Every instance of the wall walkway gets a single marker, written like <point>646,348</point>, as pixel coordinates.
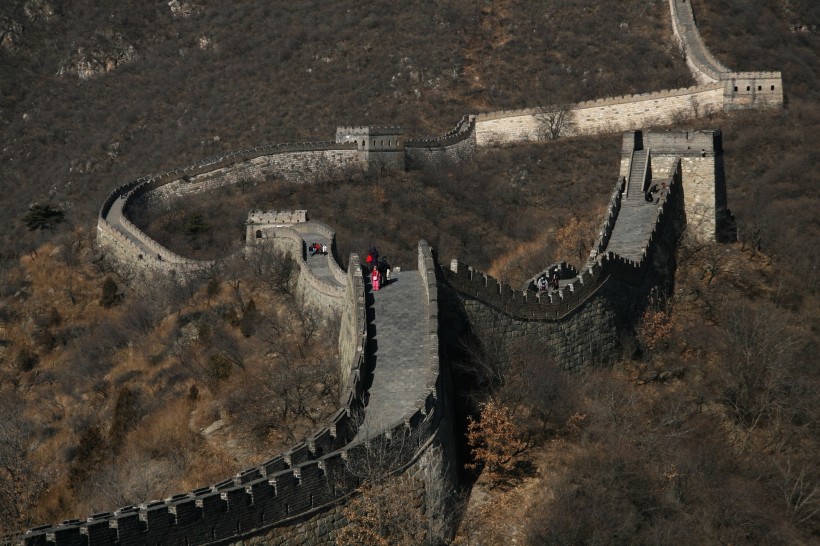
<point>399,345</point>
<point>294,497</point>
<point>636,217</point>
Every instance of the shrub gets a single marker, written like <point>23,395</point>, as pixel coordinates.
<point>26,359</point>
<point>110,293</point>
<point>219,367</point>
<point>495,442</point>
<point>126,415</point>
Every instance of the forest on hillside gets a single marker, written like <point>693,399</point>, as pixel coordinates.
<point>704,431</point>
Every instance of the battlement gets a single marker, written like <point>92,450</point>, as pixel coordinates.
<point>676,143</point>
<point>372,130</point>
<point>371,138</point>
<point>277,218</point>
<point>579,320</point>
<point>603,265</point>
<point>463,130</point>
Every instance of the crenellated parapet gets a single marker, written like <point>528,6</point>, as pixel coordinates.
<point>611,215</point>
<point>456,145</point>
<point>308,480</point>
<point>298,493</point>
<point>556,305</point>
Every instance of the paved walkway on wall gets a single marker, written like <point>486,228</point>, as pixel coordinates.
<point>636,220</point>
<point>115,216</point>
<point>696,49</point>
<point>401,347</point>
<point>318,262</point>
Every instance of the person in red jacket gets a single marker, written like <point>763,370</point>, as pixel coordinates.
<point>375,278</point>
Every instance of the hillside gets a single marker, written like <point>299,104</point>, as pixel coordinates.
<point>238,74</point>
<point>705,431</point>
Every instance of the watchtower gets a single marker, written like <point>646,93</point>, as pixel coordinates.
<point>383,145</point>
<point>702,174</point>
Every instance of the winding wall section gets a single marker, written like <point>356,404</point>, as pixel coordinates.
<point>294,497</point>
<point>718,89</point>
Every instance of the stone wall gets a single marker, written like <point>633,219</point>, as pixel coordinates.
<point>718,89</point>
<point>148,258</point>
<point>313,292</point>
<point>300,166</point>
<point>454,146</point>
<point>699,154</point>
<point>703,65</point>
<point>581,323</point>
<point>259,223</point>
<point>752,90</point>
<point>353,330</point>
<point>608,115</point>
<point>293,498</point>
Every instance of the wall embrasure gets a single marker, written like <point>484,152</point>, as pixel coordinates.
<point>294,498</point>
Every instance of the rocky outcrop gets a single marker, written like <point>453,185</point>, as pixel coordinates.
<point>11,34</point>
<point>106,52</point>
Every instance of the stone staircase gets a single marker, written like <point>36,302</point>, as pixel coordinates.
<point>636,218</point>
<point>637,174</point>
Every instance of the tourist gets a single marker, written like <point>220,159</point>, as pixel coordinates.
<point>650,193</point>
<point>383,268</point>
<point>312,249</point>
<point>555,283</point>
<point>375,278</point>
<point>663,193</point>
<point>324,249</point>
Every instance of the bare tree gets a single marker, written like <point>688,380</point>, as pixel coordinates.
<point>137,477</point>
<point>22,481</point>
<point>801,492</point>
<point>385,513</point>
<point>392,507</point>
<point>274,269</point>
<point>553,121</point>
<point>758,348</point>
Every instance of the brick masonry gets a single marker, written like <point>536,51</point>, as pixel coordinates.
<point>296,497</point>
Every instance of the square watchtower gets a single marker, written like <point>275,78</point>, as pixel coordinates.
<point>383,146</point>
<point>702,174</point>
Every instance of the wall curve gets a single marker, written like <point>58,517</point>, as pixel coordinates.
<point>298,493</point>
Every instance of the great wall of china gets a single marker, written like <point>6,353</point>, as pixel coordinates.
<point>296,497</point>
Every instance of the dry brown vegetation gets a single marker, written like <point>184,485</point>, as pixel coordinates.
<point>531,204</point>
<point>164,389</point>
<point>709,436</point>
<point>240,74</point>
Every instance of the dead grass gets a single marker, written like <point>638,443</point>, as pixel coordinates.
<point>75,382</point>
<point>166,432</point>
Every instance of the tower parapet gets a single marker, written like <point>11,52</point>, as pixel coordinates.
<point>702,173</point>
<point>383,144</point>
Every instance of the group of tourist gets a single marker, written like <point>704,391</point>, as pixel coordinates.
<point>657,194</point>
<point>316,248</point>
<point>379,269</point>
<point>544,283</point>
